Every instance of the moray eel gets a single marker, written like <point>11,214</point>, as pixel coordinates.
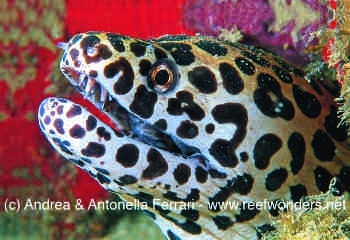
<point>206,130</point>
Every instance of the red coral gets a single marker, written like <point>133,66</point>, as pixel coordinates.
<point>28,165</point>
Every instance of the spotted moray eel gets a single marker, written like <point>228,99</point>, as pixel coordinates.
<point>199,121</point>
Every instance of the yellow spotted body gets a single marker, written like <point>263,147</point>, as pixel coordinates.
<point>201,121</point>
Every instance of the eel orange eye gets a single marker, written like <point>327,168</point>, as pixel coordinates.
<point>163,75</point>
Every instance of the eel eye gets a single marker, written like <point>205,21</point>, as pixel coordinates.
<point>163,75</point>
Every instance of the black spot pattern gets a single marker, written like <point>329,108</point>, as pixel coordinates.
<point>232,81</point>
<point>275,179</point>
<point>42,110</point>
<point>201,174</point>
<point>263,229</point>
<point>127,179</point>
<point>188,226</point>
<point>307,102</point>
<point>216,174</point>
<point>79,162</point>
<point>266,146</point>
<point>190,214</point>
<point>213,48</point>
<point>245,66</point>
<point>91,123</point>
<point>191,197</point>
<point>143,102</point>
<point>116,41</point>
<point>138,48</point>
<point>151,214</point>
<point>323,146</point>
<point>269,98</point>
<point>209,128</point>
<point>203,79</point>
<point>47,120</point>
<point>182,173</point>
<point>145,197</point>
<point>60,109</point>
<point>283,64</point>
<point>172,236</point>
<point>174,107</point>
<point>315,86</point>
<point>74,53</point>
<point>77,131</point>
<point>63,145</point>
<point>181,52</point>
<point>126,81</point>
<point>104,52</point>
<point>92,174</point>
<point>102,178</point>
<point>94,149</point>
<point>93,73</point>
<point>145,66</point>
<point>242,184</point>
<point>297,147</point>
<point>103,133</point>
<point>161,124</point>
<point>58,124</point>
<point>344,177</point>
<point>232,113</point>
<point>283,75</point>
<point>89,41</point>
<point>322,178</point>
<point>297,192</point>
<point>223,150</point>
<point>127,155</point>
<point>275,209</point>
<point>192,109</point>
<point>159,53</point>
<point>75,110</point>
<point>244,156</point>
<point>256,58</point>
<point>298,72</point>
<point>187,129</point>
<point>157,165</point>
<point>246,213</point>
<point>76,38</point>
<point>331,124</point>
<point>87,160</point>
<point>222,222</point>
<point>103,171</point>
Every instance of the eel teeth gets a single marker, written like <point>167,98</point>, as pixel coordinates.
<point>103,95</point>
<point>103,98</point>
<point>91,87</point>
<point>82,82</point>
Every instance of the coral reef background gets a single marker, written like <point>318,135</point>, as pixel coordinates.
<point>281,25</point>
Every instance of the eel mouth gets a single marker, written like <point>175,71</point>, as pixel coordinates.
<point>127,123</point>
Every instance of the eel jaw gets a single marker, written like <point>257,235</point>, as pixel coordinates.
<point>127,122</point>
<point>87,86</point>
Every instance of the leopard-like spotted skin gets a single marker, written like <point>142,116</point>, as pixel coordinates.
<point>200,121</point>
